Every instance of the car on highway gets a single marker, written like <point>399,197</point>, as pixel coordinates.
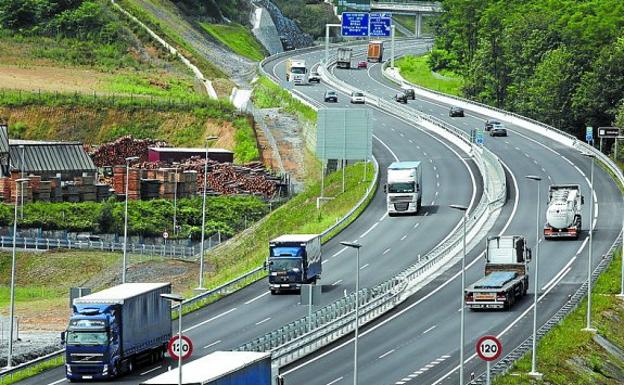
<point>498,130</point>
<point>362,64</point>
<point>357,97</point>
<point>489,123</point>
<point>401,97</point>
<point>456,111</point>
<point>314,77</point>
<point>409,91</point>
<point>331,96</point>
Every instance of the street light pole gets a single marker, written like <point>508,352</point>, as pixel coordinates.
<point>13,262</point>
<point>588,327</point>
<point>175,200</point>
<point>203,228</point>
<point>125,242</point>
<point>462,326</point>
<point>178,299</point>
<point>23,166</point>
<point>534,373</point>
<point>356,246</point>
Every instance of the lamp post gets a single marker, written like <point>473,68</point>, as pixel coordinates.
<point>462,328</point>
<point>175,199</point>
<point>22,166</point>
<point>203,228</point>
<point>177,299</point>
<point>588,327</point>
<point>125,242</point>
<point>534,373</point>
<point>356,246</point>
<point>12,299</point>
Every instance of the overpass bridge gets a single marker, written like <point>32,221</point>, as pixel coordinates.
<point>407,7</point>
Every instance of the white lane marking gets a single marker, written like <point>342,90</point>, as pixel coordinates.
<point>263,321</point>
<point>425,154</point>
<point>517,148</point>
<point>386,354</point>
<point>403,237</point>
<point>337,282</point>
<point>386,251</point>
<point>438,184</point>
<point>151,370</point>
<point>396,158</point>
<point>256,298</point>
<point>416,225</point>
<point>339,252</point>
<point>209,320</point>
<point>212,344</point>
<point>437,192</point>
<point>410,141</point>
<point>546,286</point>
<point>427,213</point>
<point>418,147</point>
<point>334,381</point>
<point>369,230</point>
<point>383,217</point>
<point>430,329</point>
<point>434,168</point>
<point>582,246</point>
<point>567,160</point>
<point>324,262</point>
<point>401,134</point>
<point>437,175</point>
<point>57,382</point>
<point>364,267</point>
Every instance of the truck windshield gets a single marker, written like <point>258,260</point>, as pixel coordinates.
<point>281,264</point>
<point>298,70</point>
<point>407,187</point>
<point>87,338</point>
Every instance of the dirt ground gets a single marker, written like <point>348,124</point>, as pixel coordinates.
<point>48,78</point>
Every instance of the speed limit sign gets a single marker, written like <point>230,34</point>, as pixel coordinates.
<point>489,348</point>
<point>174,347</point>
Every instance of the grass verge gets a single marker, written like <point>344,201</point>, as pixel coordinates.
<point>267,94</point>
<point>569,356</point>
<point>32,371</point>
<point>236,37</point>
<point>416,70</point>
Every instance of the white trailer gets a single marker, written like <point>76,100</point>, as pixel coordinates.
<point>404,187</point>
<point>563,215</point>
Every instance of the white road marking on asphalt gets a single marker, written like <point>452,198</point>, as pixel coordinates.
<point>364,267</point>
<point>546,286</point>
<point>369,230</point>
<point>339,252</point>
<point>437,192</point>
<point>429,366</point>
<point>263,321</point>
<point>386,252</point>
<point>386,354</point>
<point>567,160</point>
<point>425,214</point>
<point>396,158</point>
<point>381,219</point>
<point>209,320</point>
<point>517,148</point>
<point>418,147</point>
<point>582,246</point>
<point>410,141</point>
<point>430,329</point>
<point>57,382</point>
<point>416,225</point>
<point>151,370</point>
<point>437,175</point>
<point>403,237</point>
<point>324,262</point>
<point>212,344</point>
<point>425,154</point>
<point>400,133</point>
<point>337,282</point>
<point>334,381</point>
<point>438,184</point>
<point>434,168</point>
<point>256,298</point>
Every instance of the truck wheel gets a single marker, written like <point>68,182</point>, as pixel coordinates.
<point>273,292</point>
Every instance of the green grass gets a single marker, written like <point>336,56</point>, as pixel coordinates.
<point>33,371</point>
<point>267,94</point>
<point>569,356</point>
<point>154,85</point>
<point>238,38</point>
<point>415,70</point>
<point>246,148</point>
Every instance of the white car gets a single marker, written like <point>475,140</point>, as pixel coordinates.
<point>357,97</point>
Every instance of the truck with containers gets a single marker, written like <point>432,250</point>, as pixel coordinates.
<point>296,71</point>
<point>563,215</point>
<point>220,368</point>
<point>112,330</point>
<point>294,260</point>
<point>506,274</point>
<point>343,58</point>
<point>404,188</point>
<point>375,51</point>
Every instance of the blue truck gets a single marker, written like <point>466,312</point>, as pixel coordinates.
<point>112,330</point>
<point>221,368</point>
<point>294,259</point>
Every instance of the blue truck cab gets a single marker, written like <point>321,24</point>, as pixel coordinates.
<point>111,330</point>
<point>294,259</point>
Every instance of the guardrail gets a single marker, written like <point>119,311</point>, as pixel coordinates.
<point>332,322</point>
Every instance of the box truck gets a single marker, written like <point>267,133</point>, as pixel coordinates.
<point>109,331</point>
<point>294,259</point>
<point>404,188</point>
<point>375,51</point>
<point>343,58</point>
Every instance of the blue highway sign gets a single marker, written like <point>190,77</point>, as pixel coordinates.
<point>354,24</point>
<point>380,24</point>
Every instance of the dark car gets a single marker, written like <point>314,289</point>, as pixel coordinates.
<point>489,123</point>
<point>498,130</point>
<point>331,96</point>
<point>362,64</point>
<point>401,97</point>
<point>456,111</point>
<point>409,92</point>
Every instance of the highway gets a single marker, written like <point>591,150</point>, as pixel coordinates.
<point>419,342</point>
<point>389,246</point>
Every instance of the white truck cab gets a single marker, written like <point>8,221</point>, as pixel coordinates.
<point>404,187</point>
<point>296,71</point>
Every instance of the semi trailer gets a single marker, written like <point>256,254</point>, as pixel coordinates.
<point>563,215</point>
<point>343,58</point>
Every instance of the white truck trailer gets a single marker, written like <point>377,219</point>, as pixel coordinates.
<point>506,274</point>
<point>343,57</point>
<point>296,71</point>
<point>404,187</point>
<point>563,215</point>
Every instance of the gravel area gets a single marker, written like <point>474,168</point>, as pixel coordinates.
<point>285,26</point>
<point>29,346</point>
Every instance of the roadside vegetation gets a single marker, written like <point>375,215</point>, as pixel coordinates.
<point>238,38</point>
<point>569,356</point>
<point>416,69</point>
<point>267,94</point>
<point>311,18</point>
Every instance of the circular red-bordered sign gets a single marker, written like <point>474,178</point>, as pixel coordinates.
<point>173,347</point>
<point>489,348</point>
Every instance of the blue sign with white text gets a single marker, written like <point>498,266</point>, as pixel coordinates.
<point>380,24</point>
<point>355,24</point>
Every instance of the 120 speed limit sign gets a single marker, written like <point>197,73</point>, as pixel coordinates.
<point>174,348</point>
<point>489,348</point>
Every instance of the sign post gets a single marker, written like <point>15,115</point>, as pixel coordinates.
<point>589,135</point>
<point>489,348</point>
<point>608,132</point>
<point>479,139</point>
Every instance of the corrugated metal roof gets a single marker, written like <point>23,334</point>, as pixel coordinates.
<point>47,157</point>
<point>4,138</point>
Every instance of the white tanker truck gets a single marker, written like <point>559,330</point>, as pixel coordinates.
<point>563,216</point>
